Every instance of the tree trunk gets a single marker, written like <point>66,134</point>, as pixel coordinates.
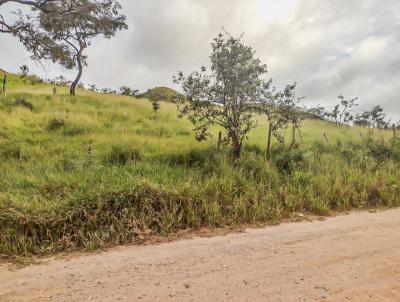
<point>269,142</point>
<point>293,137</point>
<point>236,148</point>
<point>78,77</point>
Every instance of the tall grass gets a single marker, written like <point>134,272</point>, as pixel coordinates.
<point>99,170</point>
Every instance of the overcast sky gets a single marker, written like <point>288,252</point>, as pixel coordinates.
<point>328,46</point>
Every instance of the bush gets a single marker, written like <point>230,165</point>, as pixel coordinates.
<point>288,161</point>
<point>56,123</point>
<point>22,103</point>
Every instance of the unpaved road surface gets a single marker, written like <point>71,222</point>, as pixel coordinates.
<point>347,258</point>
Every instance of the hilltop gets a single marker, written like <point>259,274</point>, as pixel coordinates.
<point>163,94</point>
<point>102,169</point>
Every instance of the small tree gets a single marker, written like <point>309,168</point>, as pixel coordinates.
<point>93,87</point>
<point>125,90</point>
<point>374,118</point>
<point>345,115</point>
<point>378,117</point>
<point>318,112</point>
<point>24,70</point>
<point>335,114</point>
<point>282,109</point>
<point>226,94</point>
<point>363,119</point>
<point>342,113</point>
<point>156,106</point>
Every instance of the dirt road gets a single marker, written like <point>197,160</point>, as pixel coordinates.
<point>347,258</point>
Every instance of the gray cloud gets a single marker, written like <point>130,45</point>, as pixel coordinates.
<point>328,47</point>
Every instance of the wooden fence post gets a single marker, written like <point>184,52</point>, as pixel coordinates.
<point>326,138</point>
<point>4,86</point>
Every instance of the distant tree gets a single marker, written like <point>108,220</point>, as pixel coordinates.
<point>363,119</point>
<point>335,114</point>
<point>227,94</point>
<point>24,70</point>
<point>61,81</point>
<point>318,112</point>
<point>374,118</point>
<point>345,115</point>
<point>342,112</point>
<point>93,87</point>
<point>378,117</point>
<point>125,90</point>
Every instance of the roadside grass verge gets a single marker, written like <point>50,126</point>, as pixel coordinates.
<point>102,170</point>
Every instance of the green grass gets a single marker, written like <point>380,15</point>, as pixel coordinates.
<point>100,170</point>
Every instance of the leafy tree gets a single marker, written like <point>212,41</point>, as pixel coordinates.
<point>342,112</point>
<point>61,30</point>
<point>374,118</point>
<point>227,93</point>
<point>335,114</point>
<point>363,119</point>
<point>93,87</point>
<point>125,90</point>
<point>78,30</point>
<point>345,115</point>
<point>281,109</point>
<point>378,117</point>
<point>28,30</point>
<point>318,112</point>
<point>24,70</point>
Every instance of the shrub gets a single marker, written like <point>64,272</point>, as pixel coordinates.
<point>22,103</point>
<point>288,161</point>
<point>56,123</point>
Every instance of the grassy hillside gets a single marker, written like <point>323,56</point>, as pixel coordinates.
<point>100,170</point>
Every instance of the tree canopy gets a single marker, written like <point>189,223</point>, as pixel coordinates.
<point>60,30</point>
